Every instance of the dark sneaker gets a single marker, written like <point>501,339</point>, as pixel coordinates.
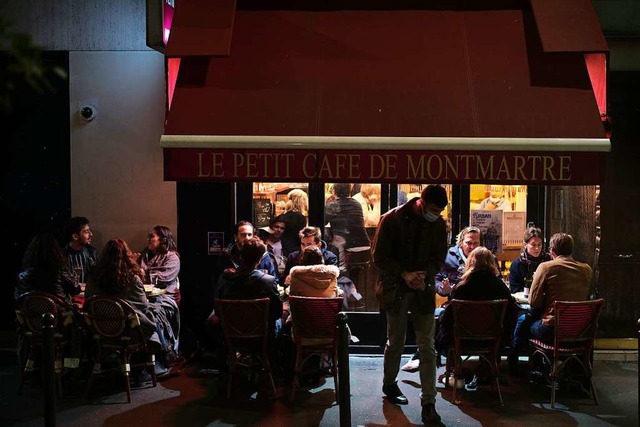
<point>141,379</point>
<point>394,395</point>
<point>429,414</point>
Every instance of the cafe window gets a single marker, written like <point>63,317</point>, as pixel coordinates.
<point>407,192</point>
<point>271,199</point>
<point>500,211</point>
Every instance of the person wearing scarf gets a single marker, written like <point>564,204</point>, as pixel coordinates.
<point>531,256</point>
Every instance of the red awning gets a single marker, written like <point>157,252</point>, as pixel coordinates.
<point>201,28</point>
<point>383,80</point>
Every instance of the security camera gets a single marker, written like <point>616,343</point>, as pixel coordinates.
<point>88,112</point>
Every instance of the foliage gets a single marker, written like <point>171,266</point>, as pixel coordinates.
<point>22,66</point>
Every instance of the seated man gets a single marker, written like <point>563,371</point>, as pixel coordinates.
<point>561,279</point>
<point>247,282</point>
<point>232,255</point>
<point>310,237</point>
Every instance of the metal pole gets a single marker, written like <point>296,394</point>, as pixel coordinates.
<point>48,371</point>
<point>344,385</point>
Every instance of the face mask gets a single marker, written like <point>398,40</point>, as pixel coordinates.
<point>430,216</point>
<point>494,199</point>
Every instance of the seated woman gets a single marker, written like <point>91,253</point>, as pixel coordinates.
<point>45,270</point>
<point>480,282</point>
<point>531,256</point>
<point>117,274</point>
<point>160,258</point>
<point>313,278</point>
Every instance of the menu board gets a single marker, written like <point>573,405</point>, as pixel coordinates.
<point>262,211</point>
<point>490,225</point>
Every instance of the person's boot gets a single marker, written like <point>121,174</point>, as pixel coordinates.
<point>429,414</point>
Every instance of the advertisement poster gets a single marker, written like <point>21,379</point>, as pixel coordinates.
<point>490,225</point>
<point>513,224</point>
<point>215,242</point>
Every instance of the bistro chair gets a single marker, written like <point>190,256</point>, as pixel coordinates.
<point>30,309</point>
<point>116,329</point>
<point>245,328</point>
<point>477,331</point>
<point>315,332</point>
<point>575,326</point>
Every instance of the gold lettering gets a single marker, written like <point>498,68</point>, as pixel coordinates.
<point>467,158</point>
<point>304,165</point>
<point>354,166</point>
<point>287,161</point>
<point>504,169</point>
<point>534,160</point>
<point>548,167</point>
<point>238,162</point>
<point>519,162</point>
<point>565,168</point>
<point>252,165</point>
<point>391,160</point>
<point>264,158</point>
<point>377,159</point>
<point>438,165</point>
<point>341,166</point>
<point>451,166</point>
<point>325,167</point>
<point>413,171</point>
<point>201,173</point>
<point>480,169</point>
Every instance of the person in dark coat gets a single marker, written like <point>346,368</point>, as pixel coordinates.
<point>480,282</point>
<point>45,270</point>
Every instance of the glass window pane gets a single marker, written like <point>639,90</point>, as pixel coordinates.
<point>500,211</point>
<point>291,200</point>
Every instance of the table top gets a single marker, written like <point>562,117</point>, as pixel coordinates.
<point>151,290</point>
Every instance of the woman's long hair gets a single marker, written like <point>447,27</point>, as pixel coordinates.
<point>116,269</point>
<point>167,242</point>
<point>298,201</point>
<point>45,257</point>
<point>480,259</point>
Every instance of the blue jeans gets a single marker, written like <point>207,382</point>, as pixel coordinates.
<point>521,332</point>
<point>542,332</point>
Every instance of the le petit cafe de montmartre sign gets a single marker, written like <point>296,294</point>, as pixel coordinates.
<point>557,167</point>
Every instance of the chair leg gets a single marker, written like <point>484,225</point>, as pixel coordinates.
<point>297,368</point>
<point>95,371</point>
<point>125,367</point>
<point>594,395</point>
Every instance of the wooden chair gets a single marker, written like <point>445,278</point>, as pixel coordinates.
<point>30,309</point>
<point>245,327</point>
<point>477,331</point>
<point>115,327</point>
<point>575,326</point>
<point>315,332</point>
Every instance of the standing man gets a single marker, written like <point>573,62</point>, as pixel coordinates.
<point>81,256</point>
<point>409,249</point>
<point>450,274</point>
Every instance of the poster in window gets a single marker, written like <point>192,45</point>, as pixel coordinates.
<point>513,228</point>
<point>262,209</point>
<point>215,242</point>
<point>490,225</point>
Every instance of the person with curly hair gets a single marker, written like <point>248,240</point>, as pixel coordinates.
<point>118,274</point>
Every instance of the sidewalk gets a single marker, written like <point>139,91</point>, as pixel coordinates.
<point>197,398</point>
